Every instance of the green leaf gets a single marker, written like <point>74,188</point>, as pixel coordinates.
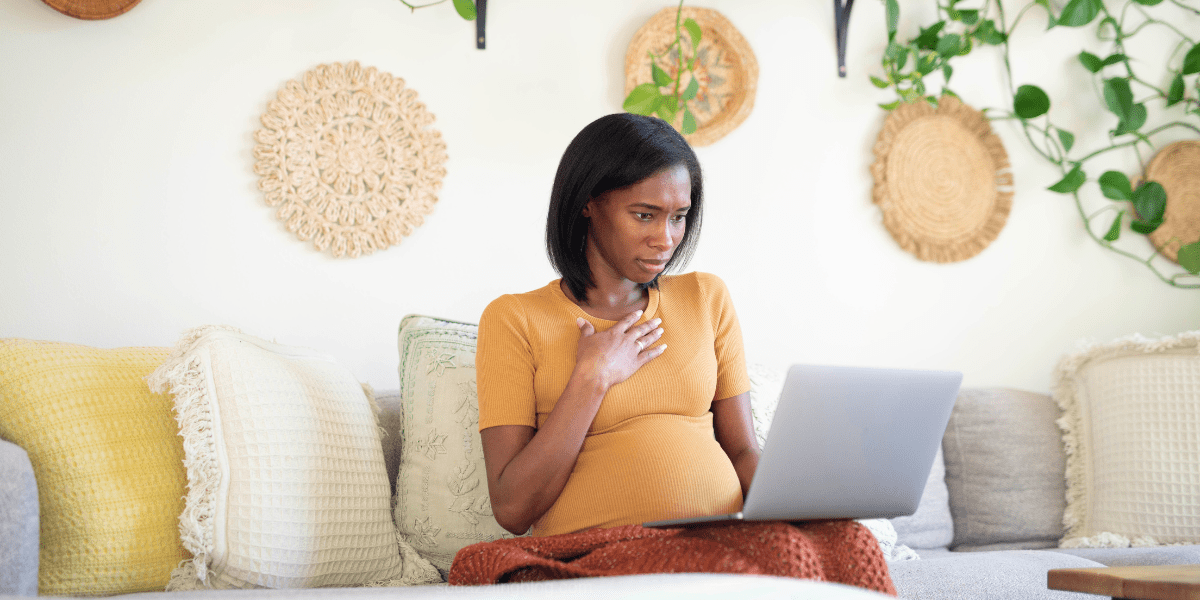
<point>667,108</point>
<point>465,8</point>
<point>1078,13</point>
<point>1191,62</point>
<point>895,53</point>
<point>968,17</point>
<point>693,87</point>
<point>879,83</point>
<point>1030,101</point>
<point>693,30</point>
<point>1114,59</point>
<point>1070,182</point>
<point>661,77</point>
<point>1115,185</point>
<point>1114,230</point>
<point>643,100</point>
<point>927,63</point>
<point>1147,2</point>
<point>929,37</point>
<point>1067,138</point>
<point>890,105</point>
<point>949,45</point>
<point>988,34</point>
<point>689,122</point>
<point>947,71</point>
<point>1050,22</point>
<point>1150,200</point>
<point>1090,61</point>
<point>1118,97</point>
<point>893,18</point>
<point>1136,118</point>
<point>1144,227</point>
<point>1189,258</point>
<point>1175,95</point>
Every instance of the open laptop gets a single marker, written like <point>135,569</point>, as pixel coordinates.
<point>847,443</point>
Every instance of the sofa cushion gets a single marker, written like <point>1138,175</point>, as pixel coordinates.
<point>932,525</point>
<point>18,522</point>
<point>1131,416</point>
<point>1019,575</point>
<point>108,463</point>
<point>1004,469</point>
<point>286,480</point>
<point>1135,557</point>
<point>442,501</point>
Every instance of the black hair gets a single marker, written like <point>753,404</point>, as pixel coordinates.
<point>614,152</point>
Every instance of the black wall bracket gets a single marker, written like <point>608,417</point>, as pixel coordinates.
<point>841,22</point>
<point>480,24</point>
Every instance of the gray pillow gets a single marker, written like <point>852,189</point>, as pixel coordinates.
<point>1005,469</point>
<point>931,526</point>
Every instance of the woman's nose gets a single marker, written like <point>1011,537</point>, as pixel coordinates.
<point>663,237</point>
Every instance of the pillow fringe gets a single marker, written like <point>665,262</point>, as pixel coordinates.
<point>194,415</point>
<point>1066,395</point>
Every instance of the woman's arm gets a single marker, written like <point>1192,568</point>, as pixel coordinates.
<point>528,468</point>
<point>734,427</point>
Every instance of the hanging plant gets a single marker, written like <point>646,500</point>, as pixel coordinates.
<point>465,8</point>
<point>1139,205</point>
<point>669,72</point>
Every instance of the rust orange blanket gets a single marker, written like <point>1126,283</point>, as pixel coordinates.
<point>838,551</point>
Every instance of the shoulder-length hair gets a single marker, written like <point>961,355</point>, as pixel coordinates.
<point>614,152</point>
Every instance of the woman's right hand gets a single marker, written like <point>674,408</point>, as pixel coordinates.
<point>615,354</point>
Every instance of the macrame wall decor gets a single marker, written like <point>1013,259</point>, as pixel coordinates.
<point>942,180</point>
<point>348,156</point>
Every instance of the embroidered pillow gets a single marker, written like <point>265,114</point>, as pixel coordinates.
<point>286,480</point>
<point>107,460</point>
<point>442,502</point>
<point>1131,413</point>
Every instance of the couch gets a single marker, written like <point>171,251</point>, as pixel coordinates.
<point>988,525</point>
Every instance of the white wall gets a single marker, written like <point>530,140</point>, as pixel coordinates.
<point>130,211</point>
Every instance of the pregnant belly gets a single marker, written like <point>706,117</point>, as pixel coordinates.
<point>647,468</point>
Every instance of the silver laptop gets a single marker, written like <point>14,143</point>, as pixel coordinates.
<point>847,443</point>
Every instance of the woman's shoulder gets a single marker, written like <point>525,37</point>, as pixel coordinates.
<point>521,304</point>
<point>705,284</point>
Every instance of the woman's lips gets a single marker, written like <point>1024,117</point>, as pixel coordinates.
<point>653,265</point>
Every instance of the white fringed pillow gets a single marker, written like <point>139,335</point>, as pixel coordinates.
<point>286,480</point>
<point>1131,431</point>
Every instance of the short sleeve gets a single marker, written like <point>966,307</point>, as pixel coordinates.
<point>732,377</point>
<point>504,366</point>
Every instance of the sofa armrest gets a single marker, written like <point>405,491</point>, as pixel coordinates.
<point>18,522</point>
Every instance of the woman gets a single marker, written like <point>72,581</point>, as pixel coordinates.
<point>617,394</point>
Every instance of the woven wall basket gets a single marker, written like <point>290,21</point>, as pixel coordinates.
<point>727,69</point>
<point>92,9</point>
<point>942,180</point>
<point>1177,168</point>
<point>348,156</point>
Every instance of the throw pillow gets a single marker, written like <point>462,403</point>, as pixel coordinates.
<point>286,480</point>
<point>1004,466</point>
<point>1131,427</point>
<point>107,460</point>
<point>442,502</point>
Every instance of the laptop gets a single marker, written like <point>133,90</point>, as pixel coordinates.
<point>846,443</point>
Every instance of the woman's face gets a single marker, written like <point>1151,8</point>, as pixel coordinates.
<point>634,230</point>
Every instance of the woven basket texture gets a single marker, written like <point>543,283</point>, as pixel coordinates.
<point>349,157</point>
<point>1177,168</point>
<point>92,10</point>
<point>108,462</point>
<point>726,69</point>
<point>942,180</point>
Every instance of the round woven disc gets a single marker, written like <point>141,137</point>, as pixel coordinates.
<point>348,155</point>
<point>91,9</point>
<point>942,180</point>
<point>726,69</point>
<point>1177,168</point>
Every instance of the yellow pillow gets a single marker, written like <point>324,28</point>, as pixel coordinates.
<point>108,461</point>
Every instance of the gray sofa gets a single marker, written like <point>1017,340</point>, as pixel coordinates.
<point>987,526</point>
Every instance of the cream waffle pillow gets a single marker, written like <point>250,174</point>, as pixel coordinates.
<point>107,459</point>
<point>1131,423</point>
<point>286,481</point>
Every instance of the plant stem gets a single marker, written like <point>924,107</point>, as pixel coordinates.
<point>414,8</point>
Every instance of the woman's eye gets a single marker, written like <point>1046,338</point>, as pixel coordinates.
<point>644,216</point>
<point>678,218</point>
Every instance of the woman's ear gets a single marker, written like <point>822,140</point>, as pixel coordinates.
<point>587,209</point>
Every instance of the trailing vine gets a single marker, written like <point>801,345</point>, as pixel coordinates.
<point>649,98</point>
<point>959,30</point>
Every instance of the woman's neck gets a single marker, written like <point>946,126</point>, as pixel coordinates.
<point>613,301</point>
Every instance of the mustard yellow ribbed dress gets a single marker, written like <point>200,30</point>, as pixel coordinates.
<point>650,453</point>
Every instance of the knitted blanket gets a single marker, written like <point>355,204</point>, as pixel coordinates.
<point>838,551</point>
